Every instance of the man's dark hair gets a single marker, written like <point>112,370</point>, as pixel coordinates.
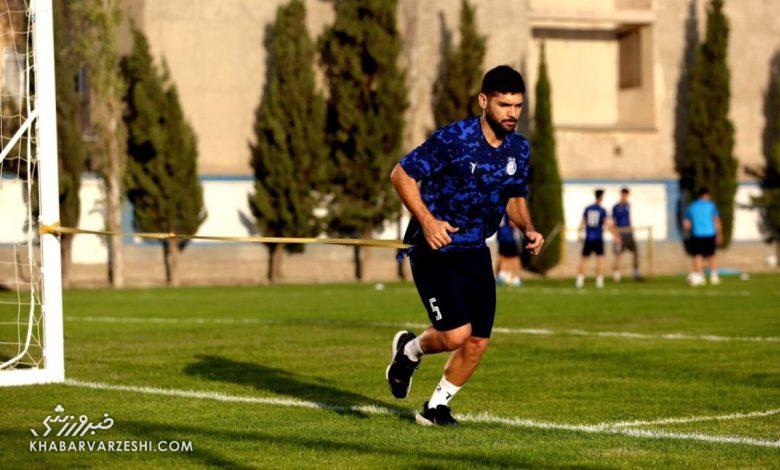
<point>599,193</point>
<point>624,191</point>
<point>502,79</point>
<point>702,192</point>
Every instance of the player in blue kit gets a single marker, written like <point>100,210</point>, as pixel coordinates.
<point>624,237</point>
<point>458,185</point>
<point>702,224</point>
<point>594,221</point>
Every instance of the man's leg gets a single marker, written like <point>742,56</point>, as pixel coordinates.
<point>599,271</point>
<point>697,276</point>
<point>464,361</point>
<point>616,266</point>
<point>635,262</point>
<point>516,269</point>
<point>581,271</point>
<point>714,278</point>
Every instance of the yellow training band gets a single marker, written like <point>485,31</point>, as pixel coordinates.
<point>56,229</point>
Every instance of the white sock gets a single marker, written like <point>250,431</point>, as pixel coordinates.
<point>599,281</point>
<point>443,393</point>
<point>580,280</point>
<point>413,351</point>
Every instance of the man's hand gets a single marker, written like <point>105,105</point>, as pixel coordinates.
<point>535,242</point>
<point>437,232</point>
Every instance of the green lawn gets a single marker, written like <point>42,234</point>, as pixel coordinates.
<point>236,371</point>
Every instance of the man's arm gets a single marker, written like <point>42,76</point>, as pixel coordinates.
<point>437,232</point>
<point>718,230</point>
<point>518,212</point>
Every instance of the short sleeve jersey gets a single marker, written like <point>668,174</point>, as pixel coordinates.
<point>594,222</point>
<point>621,214</point>
<point>702,215</point>
<point>466,182</point>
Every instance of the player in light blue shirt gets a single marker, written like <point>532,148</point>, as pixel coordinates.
<point>703,228</point>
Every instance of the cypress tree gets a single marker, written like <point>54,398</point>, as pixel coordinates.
<point>545,193</point>
<point>365,122</point>
<point>70,147</point>
<point>456,89</point>
<point>96,47</point>
<point>161,177</point>
<point>710,133</point>
<point>288,155</point>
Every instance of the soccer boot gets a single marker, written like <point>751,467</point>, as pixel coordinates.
<point>399,372</point>
<point>439,416</point>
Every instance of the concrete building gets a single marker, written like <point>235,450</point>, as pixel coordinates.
<point>617,68</point>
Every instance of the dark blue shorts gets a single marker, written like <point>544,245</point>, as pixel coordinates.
<point>593,246</point>
<point>703,246</point>
<point>510,249</point>
<point>456,288</point>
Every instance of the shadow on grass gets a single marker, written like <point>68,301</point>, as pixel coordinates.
<point>287,384</point>
<point>208,448</point>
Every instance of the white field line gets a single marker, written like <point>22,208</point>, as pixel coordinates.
<point>694,419</point>
<point>510,331</point>
<point>692,292</point>
<point>588,290</point>
<point>604,428</point>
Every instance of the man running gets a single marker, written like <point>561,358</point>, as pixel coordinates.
<point>470,173</point>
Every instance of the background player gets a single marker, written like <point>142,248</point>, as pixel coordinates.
<point>702,224</point>
<point>509,264</point>
<point>594,220</point>
<point>624,237</point>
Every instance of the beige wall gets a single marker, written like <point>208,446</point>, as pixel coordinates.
<point>215,52</point>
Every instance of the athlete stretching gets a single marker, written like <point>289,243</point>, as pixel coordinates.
<point>470,173</point>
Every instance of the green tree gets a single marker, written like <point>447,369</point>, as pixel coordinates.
<point>367,99</point>
<point>289,149</point>
<point>161,178</point>
<point>545,193</point>
<point>96,47</point>
<point>709,160</point>
<point>460,76</point>
<point>70,146</point>
<point>769,200</point>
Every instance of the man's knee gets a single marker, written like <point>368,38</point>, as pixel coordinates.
<point>476,346</point>
<point>454,339</point>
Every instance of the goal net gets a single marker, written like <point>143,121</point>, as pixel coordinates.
<point>31,344</point>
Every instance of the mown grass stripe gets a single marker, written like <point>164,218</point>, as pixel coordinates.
<point>511,331</point>
<point>603,428</point>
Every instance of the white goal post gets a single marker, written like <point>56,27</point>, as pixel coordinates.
<point>31,326</point>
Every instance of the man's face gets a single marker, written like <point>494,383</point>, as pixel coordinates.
<point>502,111</point>
<point>624,198</point>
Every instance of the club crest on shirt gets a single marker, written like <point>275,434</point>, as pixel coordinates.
<point>511,166</point>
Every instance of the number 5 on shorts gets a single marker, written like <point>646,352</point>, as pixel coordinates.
<point>435,308</point>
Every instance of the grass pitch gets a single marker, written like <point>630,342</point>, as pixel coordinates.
<point>640,375</point>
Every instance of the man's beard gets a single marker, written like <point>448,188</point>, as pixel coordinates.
<point>497,127</point>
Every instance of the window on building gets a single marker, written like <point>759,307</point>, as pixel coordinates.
<point>630,65</point>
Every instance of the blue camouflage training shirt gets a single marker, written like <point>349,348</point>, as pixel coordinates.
<point>466,182</point>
